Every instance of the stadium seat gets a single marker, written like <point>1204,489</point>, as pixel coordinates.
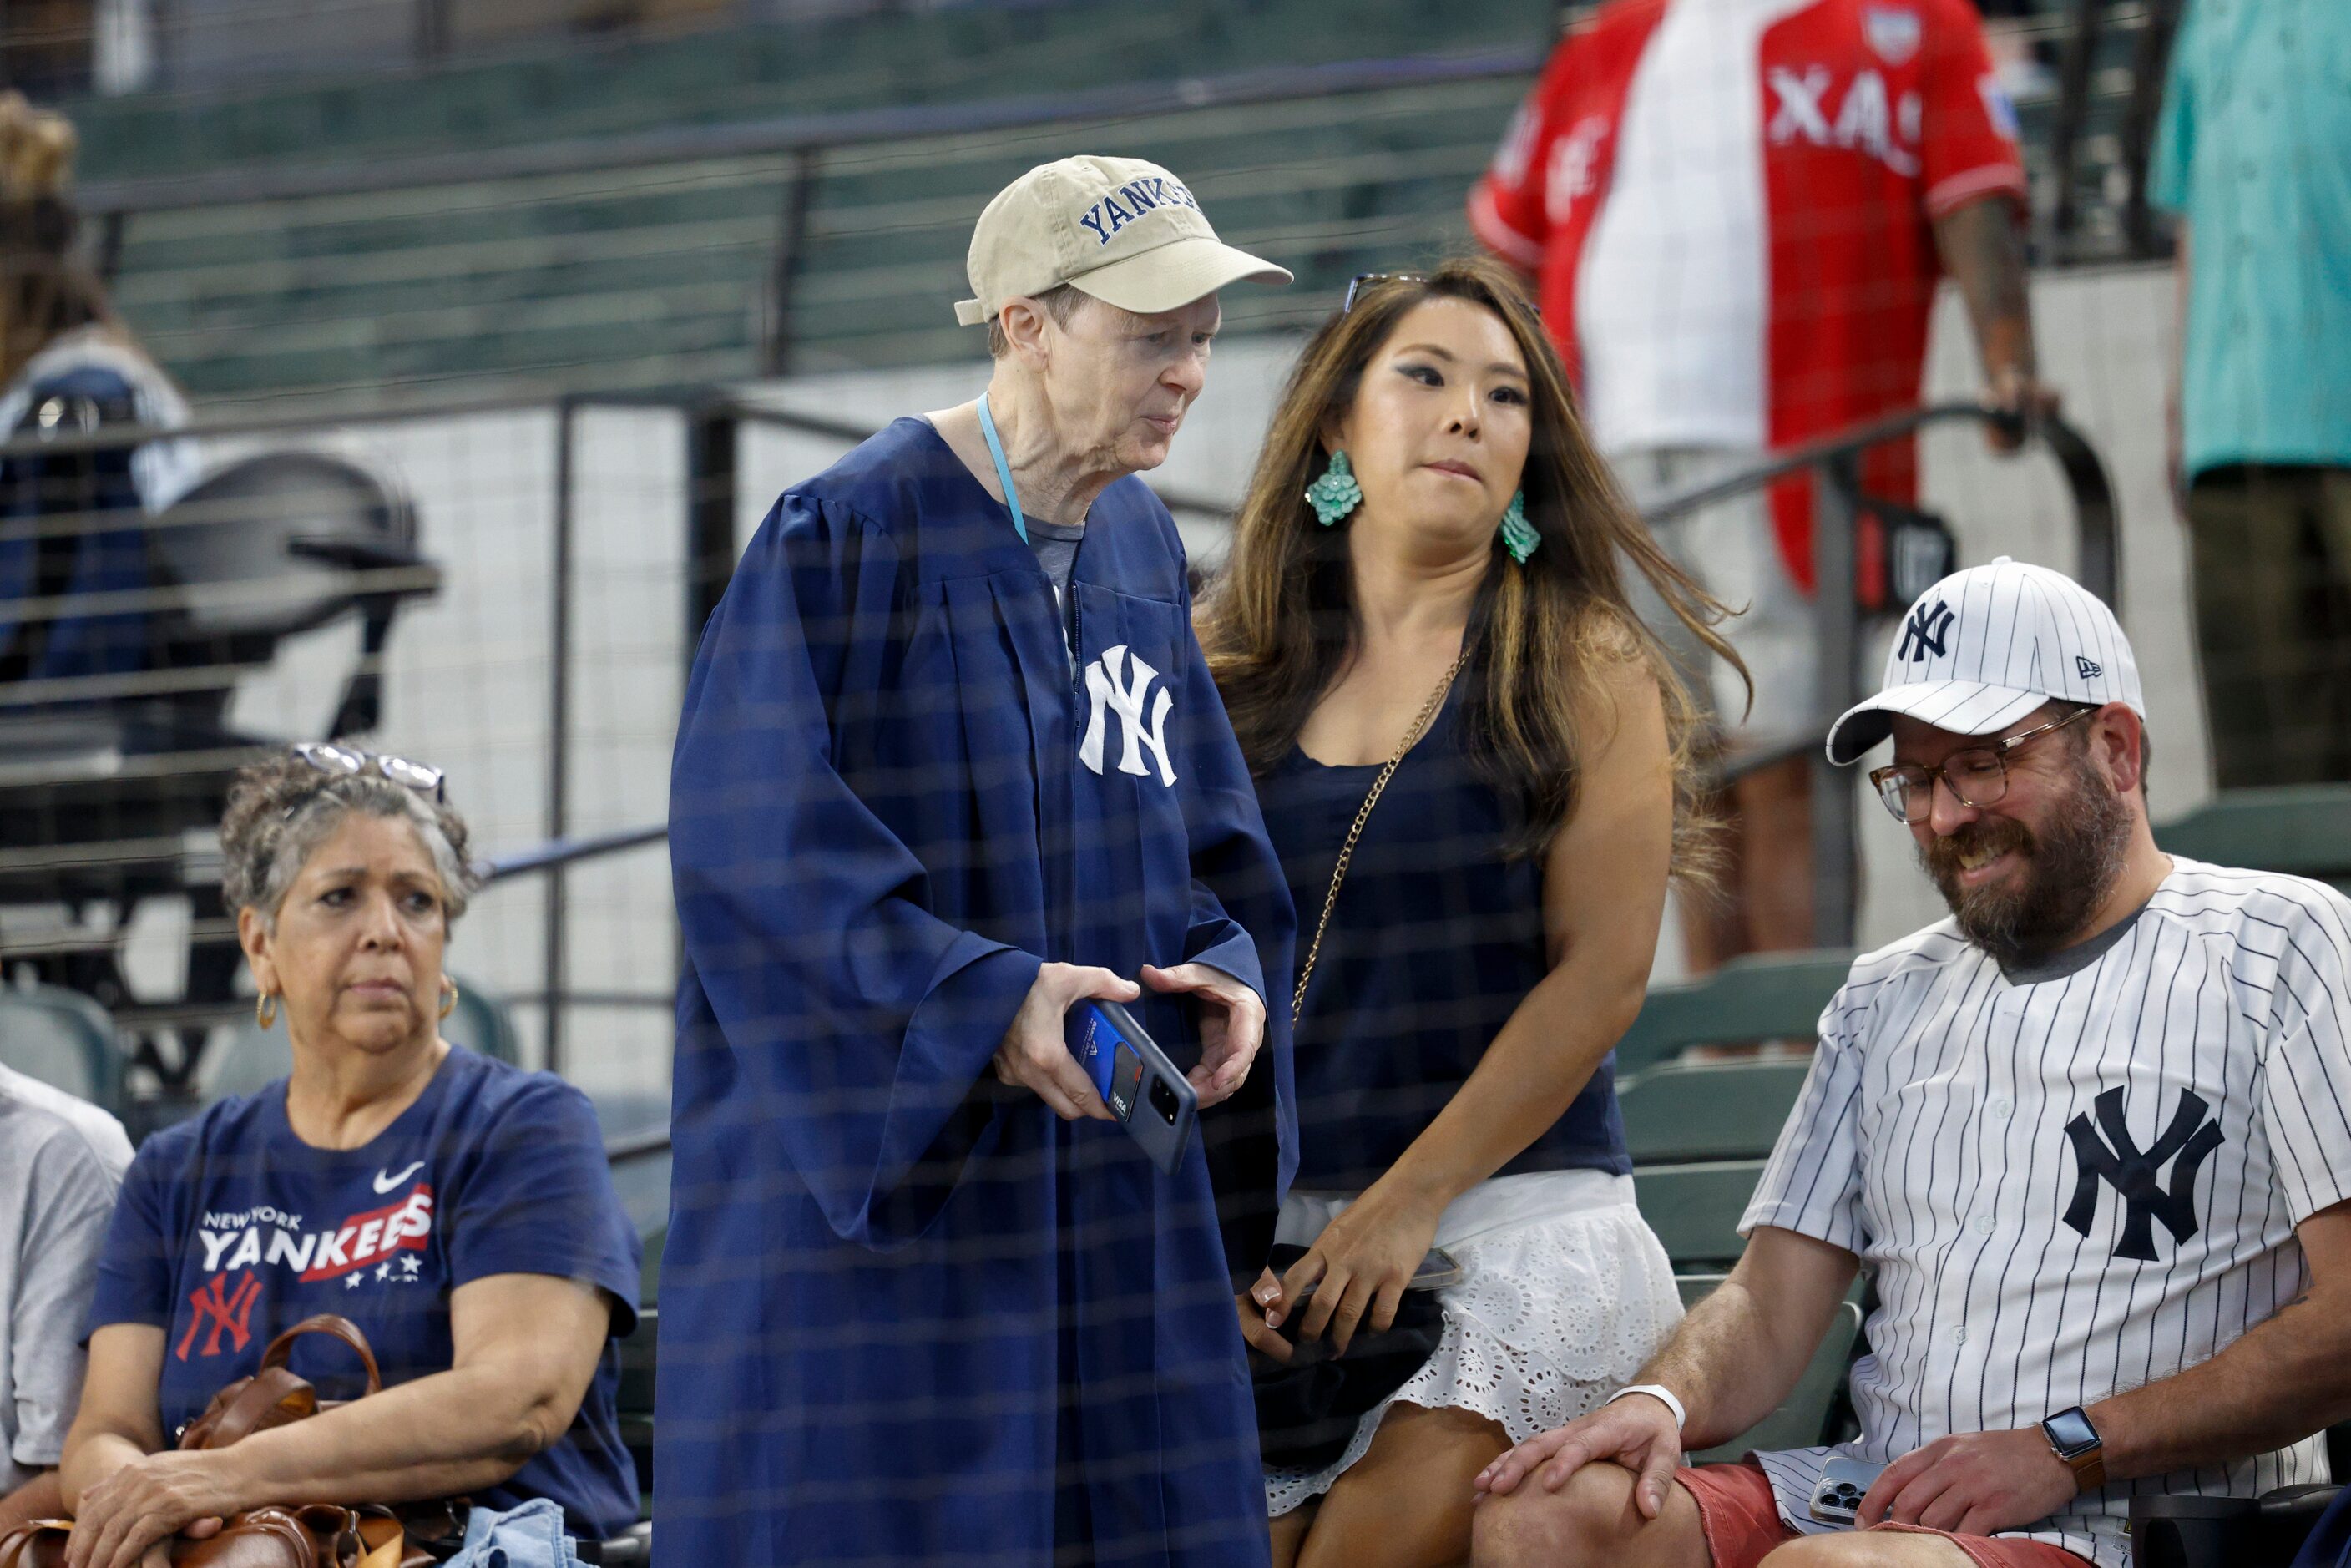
<point>2303,830</point>
<point>1805,1416</point>
<point>2225,1532</point>
<point>64,1039</point>
<point>1759,997</point>
<point>1700,1131</point>
<point>1708,1110</point>
<point>246,1057</point>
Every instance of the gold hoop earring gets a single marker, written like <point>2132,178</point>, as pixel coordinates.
<point>265,1009</point>
<point>449,1000</point>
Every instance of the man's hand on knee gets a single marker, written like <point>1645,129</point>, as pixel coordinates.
<point>1639,1432</point>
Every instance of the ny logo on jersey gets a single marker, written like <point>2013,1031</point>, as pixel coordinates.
<point>1110,685</point>
<point>1923,634</point>
<point>218,1312</point>
<point>2136,1174</point>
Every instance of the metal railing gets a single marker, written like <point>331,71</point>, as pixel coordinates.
<point>1839,502</point>
<point>1835,463</point>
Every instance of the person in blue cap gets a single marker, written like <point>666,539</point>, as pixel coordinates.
<point>951,762</point>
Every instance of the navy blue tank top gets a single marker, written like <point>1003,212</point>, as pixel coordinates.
<point>1435,940</point>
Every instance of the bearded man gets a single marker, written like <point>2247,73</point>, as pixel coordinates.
<point>2088,1135</point>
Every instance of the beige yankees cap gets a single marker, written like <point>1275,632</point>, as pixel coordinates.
<point>1986,646</point>
<point>1122,230</point>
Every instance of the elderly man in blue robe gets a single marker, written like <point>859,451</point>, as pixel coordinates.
<point>950,764</point>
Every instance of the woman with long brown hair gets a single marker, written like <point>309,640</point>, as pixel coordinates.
<point>1474,763</point>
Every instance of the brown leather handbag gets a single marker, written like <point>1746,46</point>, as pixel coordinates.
<point>316,1535</point>
<point>309,1535</point>
<point>274,1396</point>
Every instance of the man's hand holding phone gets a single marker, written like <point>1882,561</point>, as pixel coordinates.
<point>1232,1025</point>
<point>1035,1052</point>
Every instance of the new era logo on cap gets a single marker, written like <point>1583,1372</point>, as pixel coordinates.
<point>1985,647</point>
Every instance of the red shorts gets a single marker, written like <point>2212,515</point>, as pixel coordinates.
<point>1742,1523</point>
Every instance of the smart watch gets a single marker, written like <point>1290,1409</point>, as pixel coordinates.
<point>2076,1443</point>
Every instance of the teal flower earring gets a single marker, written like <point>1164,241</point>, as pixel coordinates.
<point>1335,494</point>
<point>1518,536</point>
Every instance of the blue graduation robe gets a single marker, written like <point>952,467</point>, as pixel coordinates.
<point>909,1315</point>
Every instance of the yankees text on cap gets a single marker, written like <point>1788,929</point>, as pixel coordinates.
<point>1986,646</point>
<point>1122,230</point>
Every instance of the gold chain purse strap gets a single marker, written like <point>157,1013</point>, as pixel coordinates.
<point>1347,850</point>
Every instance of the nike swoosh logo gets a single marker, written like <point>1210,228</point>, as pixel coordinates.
<point>384,1184</point>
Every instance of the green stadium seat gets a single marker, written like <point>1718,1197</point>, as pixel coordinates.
<point>1802,1418</point>
<point>244,1057</point>
<point>64,1039</point>
<point>1708,1110</point>
<point>1759,997</point>
<point>2303,830</point>
<point>1694,1208</point>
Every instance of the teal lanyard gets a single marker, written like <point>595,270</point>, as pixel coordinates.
<point>1003,469</point>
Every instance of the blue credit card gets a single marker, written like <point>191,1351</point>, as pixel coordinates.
<point>1149,1095</point>
<point>1108,1056</point>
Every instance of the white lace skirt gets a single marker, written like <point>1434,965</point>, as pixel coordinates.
<point>1564,1293</point>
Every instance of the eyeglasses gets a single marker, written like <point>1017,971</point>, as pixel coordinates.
<point>327,757</point>
<point>1977,777</point>
<point>1355,284</point>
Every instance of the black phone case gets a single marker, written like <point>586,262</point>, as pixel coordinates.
<point>1161,1105</point>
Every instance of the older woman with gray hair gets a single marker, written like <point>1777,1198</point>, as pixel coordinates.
<point>456,1208</point>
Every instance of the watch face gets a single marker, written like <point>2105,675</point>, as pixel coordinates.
<point>2070,1432</point>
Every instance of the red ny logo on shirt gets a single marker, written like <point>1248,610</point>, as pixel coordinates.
<point>221,1313</point>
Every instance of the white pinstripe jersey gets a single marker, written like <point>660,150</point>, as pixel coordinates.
<point>1974,1141</point>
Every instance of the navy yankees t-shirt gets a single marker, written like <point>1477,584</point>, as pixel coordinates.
<point>230,1229</point>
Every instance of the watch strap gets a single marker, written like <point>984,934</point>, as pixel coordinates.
<point>2088,1464</point>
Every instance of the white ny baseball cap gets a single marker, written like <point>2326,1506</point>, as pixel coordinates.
<point>1986,646</point>
<point>1122,230</point>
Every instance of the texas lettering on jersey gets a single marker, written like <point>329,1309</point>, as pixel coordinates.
<point>241,1242</point>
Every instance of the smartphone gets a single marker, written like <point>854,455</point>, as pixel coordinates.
<point>1844,1482</point>
<point>1154,1101</point>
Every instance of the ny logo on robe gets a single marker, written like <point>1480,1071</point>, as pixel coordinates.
<point>1110,685</point>
<point>2135,1174</point>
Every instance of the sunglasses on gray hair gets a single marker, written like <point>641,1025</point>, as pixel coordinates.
<point>327,757</point>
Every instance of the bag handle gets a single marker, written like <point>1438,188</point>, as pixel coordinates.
<point>271,1388</point>
<point>281,1349</point>
<point>1379,786</point>
<point>17,1546</point>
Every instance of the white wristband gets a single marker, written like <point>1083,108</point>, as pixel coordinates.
<point>1659,1393</point>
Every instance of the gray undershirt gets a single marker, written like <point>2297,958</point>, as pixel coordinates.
<point>1056,545</point>
<point>2075,959</point>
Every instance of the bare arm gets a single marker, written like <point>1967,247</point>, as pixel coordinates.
<point>2288,1376</point>
<point>1983,252</point>
<point>526,1349</point>
<point>1604,896</point>
<point>40,1498</point>
<point>1741,1349</point>
<point>1730,1364</point>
